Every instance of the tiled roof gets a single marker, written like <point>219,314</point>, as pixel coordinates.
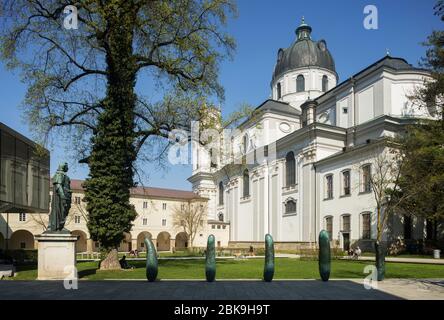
<point>149,192</point>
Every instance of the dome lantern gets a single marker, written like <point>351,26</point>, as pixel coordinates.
<point>303,31</point>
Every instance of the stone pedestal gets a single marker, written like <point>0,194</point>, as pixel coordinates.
<point>56,256</point>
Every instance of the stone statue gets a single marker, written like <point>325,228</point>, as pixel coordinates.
<point>61,200</point>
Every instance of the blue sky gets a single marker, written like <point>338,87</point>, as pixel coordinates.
<point>261,28</point>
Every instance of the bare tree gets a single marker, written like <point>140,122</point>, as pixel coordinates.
<point>190,218</point>
<point>380,174</point>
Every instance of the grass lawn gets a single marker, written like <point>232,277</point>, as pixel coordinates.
<point>246,269</point>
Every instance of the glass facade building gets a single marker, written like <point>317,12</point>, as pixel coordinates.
<point>24,174</point>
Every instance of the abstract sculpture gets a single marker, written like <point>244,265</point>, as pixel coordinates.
<point>324,255</point>
<point>269,258</point>
<point>210,260</point>
<point>151,261</point>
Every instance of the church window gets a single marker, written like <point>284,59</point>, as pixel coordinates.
<point>324,83</point>
<point>221,193</point>
<point>366,178</point>
<point>278,90</point>
<point>246,183</point>
<point>329,186</point>
<point>300,83</point>
<point>329,226</point>
<point>365,225</point>
<point>346,182</point>
<point>290,206</point>
<point>290,170</point>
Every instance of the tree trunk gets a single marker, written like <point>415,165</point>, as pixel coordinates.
<point>111,262</point>
<point>380,260</point>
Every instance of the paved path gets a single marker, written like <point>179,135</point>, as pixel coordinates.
<point>404,260</point>
<point>221,290</point>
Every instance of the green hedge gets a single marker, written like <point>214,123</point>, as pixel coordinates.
<point>19,256</point>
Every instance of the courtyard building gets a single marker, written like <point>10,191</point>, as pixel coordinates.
<point>156,208</point>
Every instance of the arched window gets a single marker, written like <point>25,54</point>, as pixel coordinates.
<point>246,183</point>
<point>221,193</point>
<point>324,83</point>
<point>300,83</point>
<point>278,90</point>
<point>329,226</point>
<point>328,186</point>
<point>220,216</point>
<point>366,178</point>
<point>366,225</point>
<point>290,206</point>
<point>245,144</point>
<point>346,223</point>
<point>290,170</point>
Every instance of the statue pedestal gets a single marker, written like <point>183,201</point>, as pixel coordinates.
<point>56,256</point>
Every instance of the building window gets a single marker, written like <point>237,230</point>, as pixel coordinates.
<point>144,221</point>
<point>76,219</point>
<point>164,222</point>
<point>221,193</point>
<point>246,183</point>
<point>366,178</point>
<point>218,226</point>
<point>346,223</point>
<point>329,226</point>
<point>329,186</point>
<point>366,226</point>
<point>278,90</point>
<point>22,217</point>
<point>346,182</point>
<point>407,227</point>
<point>164,206</point>
<point>213,226</point>
<point>344,110</point>
<point>300,83</point>
<point>145,204</point>
<point>77,200</point>
<point>290,206</point>
<point>224,227</point>
<point>245,144</point>
<point>324,83</point>
<point>220,216</point>
<point>290,170</point>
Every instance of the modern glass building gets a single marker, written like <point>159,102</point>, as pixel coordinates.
<point>24,174</point>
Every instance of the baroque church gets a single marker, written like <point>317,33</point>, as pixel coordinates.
<point>324,135</point>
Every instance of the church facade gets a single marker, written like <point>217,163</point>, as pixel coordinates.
<point>312,146</point>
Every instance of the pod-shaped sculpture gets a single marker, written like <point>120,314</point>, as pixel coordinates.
<point>269,258</point>
<point>380,260</point>
<point>210,259</point>
<point>324,255</point>
<point>151,261</point>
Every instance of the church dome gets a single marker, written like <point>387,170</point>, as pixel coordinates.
<point>304,53</point>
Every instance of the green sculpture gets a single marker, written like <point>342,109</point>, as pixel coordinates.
<point>210,260</point>
<point>269,258</point>
<point>380,253</point>
<point>61,200</point>
<point>324,255</point>
<point>151,261</point>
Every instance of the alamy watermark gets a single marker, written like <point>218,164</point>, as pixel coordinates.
<point>371,19</point>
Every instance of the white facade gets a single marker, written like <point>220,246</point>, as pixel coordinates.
<point>323,133</point>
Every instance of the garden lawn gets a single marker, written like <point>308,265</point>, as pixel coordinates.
<point>285,268</point>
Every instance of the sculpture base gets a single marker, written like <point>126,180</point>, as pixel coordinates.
<point>56,256</point>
